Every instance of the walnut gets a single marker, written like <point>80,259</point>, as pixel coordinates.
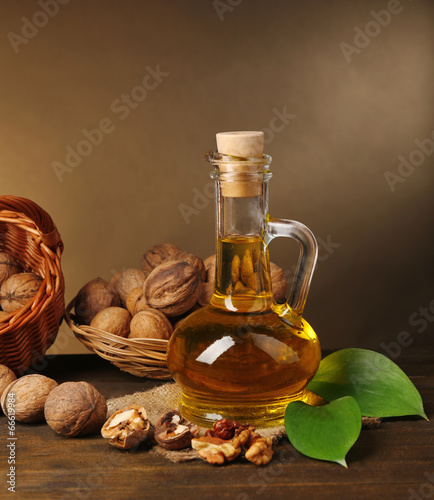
<point>7,376</point>
<point>260,449</point>
<point>174,432</point>
<point>8,267</point>
<point>16,291</point>
<point>206,292</point>
<point>128,280</point>
<point>30,393</point>
<point>157,255</point>
<point>172,287</point>
<point>210,265</point>
<point>114,279</point>
<point>114,320</point>
<point>193,260</point>
<point>133,298</point>
<point>278,282</point>
<point>127,428</point>
<point>218,451</point>
<point>150,323</point>
<point>92,298</point>
<point>75,409</point>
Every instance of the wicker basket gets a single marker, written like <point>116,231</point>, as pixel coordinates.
<point>28,234</point>
<point>140,357</point>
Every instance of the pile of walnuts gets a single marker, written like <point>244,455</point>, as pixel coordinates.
<point>151,301</point>
<point>17,287</point>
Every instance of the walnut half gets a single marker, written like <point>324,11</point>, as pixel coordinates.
<point>174,432</point>
<point>127,428</point>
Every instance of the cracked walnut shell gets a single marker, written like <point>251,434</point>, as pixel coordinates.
<point>28,394</point>
<point>75,409</point>
<point>127,427</point>
<point>174,432</point>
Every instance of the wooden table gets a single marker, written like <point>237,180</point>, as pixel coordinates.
<point>394,461</point>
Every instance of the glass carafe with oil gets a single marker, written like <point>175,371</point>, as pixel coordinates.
<point>245,357</point>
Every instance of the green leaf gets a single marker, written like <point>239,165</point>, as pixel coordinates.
<point>324,432</point>
<point>378,385</point>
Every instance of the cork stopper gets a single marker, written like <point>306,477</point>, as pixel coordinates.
<point>246,144</point>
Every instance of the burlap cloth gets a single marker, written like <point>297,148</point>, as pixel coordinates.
<point>166,397</point>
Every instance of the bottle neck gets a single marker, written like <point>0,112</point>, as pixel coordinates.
<point>243,280</point>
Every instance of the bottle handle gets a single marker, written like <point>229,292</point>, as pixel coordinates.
<point>294,306</point>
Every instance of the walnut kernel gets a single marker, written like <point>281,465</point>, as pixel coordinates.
<point>127,428</point>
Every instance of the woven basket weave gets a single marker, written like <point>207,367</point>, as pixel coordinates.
<point>28,234</point>
<point>140,357</point>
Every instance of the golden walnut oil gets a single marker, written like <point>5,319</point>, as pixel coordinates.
<point>237,358</point>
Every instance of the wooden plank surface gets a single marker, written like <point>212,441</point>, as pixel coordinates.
<point>395,461</point>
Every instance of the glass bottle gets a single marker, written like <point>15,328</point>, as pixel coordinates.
<point>245,357</point>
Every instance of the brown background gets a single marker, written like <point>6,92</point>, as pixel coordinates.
<point>352,121</point>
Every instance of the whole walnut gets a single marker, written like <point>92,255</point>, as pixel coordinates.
<point>19,289</point>
<point>114,320</point>
<point>114,279</point>
<point>210,265</point>
<point>128,280</point>
<point>172,287</point>
<point>207,289</point>
<point>7,376</point>
<point>136,301</point>
<point>150,323</point>
<point>75,409</point>
<point>8,267</point>
<point>92,298</point>
<point>157,255</point>
<point>193,260</point>
<point>27,396</point>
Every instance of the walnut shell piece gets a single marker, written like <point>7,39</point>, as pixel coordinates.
<point>8,267</point>
<point>27,395</point>
<point>75,409</point>
<point>114,320</point>
<point>150,324</point>
<point>7,376</point>
<point>174,432</point>
<point>128,280</point>
<point>19,289</point>
<point>172,287</point>
<point>158,254</point>
<point>127,427</point>
<point>92,298</point>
